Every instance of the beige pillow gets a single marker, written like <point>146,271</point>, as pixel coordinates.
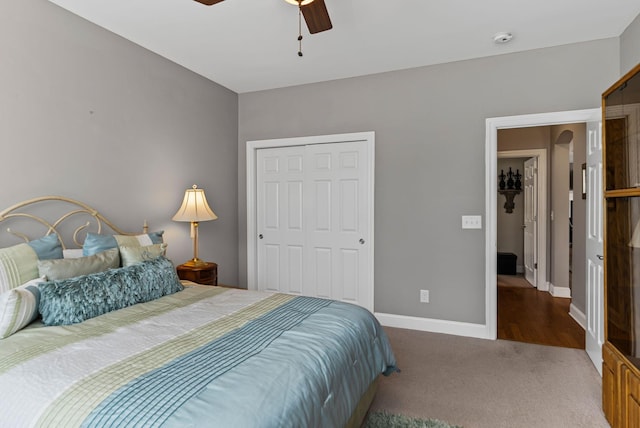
<point>133,255</point>
<point>68,268</point>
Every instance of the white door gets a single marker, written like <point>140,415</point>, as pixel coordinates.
<point>594,337</point>
<point>280,178</point>
<point>313,214</point>
<point>531,221</point>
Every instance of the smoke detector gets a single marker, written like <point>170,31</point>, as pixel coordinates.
<point>502,38</point>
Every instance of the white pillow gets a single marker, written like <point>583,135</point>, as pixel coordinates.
<point>19,307</point>
<point>72,253</point>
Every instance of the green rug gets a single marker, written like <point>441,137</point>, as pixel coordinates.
<point>389,420</point>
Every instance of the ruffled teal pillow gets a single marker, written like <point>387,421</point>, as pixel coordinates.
<point>74,300</point>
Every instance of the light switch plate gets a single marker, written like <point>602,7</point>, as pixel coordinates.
<point>472,222</point>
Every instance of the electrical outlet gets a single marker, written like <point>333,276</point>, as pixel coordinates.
<point>472,222</point>
<point>424,296</point>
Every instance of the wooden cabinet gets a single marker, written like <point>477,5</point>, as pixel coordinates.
<point>621,351</point>
<point>206,273</point>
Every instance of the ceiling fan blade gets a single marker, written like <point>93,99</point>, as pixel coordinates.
<point>316,16</point>
<point>209,2</point>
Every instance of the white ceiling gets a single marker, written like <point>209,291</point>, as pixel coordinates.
<point>249,45</point>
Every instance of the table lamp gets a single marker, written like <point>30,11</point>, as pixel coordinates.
<point>194,209</point>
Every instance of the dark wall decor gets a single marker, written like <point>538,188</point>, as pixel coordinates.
<point>510,187</point>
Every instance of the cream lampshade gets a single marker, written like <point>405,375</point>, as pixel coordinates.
<point>194,209</point>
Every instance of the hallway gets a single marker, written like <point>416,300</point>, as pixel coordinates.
<point>528,315</point>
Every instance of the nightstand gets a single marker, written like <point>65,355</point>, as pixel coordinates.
<point>206,273</point>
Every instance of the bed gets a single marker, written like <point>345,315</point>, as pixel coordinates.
<point>134,346</point>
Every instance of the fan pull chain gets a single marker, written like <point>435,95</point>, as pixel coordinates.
<point>299,27</point>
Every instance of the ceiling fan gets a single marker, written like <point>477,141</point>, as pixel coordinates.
<point>314,11</point>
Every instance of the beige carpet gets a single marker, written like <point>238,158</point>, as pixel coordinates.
<point>480,383</point>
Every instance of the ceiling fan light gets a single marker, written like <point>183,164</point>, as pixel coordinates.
<point>295,2</point>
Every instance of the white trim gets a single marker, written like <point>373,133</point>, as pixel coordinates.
<point>491,186</point>
<point>433,325</point>
<point>564,292</point>
<point>253,146</point>
<point>541,239</point>
<point>578,316</point>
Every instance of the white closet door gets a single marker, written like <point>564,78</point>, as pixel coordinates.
<point>280,177</point>
<point>336,208</point>
<point>313,213</point>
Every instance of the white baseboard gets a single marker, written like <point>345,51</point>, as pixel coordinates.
<point>578,315</point>
<point>559,291</point>
<point>433,325</point>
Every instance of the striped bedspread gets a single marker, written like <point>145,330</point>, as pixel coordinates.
<point>203,357</point>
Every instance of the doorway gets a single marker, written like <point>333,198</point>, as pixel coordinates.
<point>538,204</point>
<point>492,127</point>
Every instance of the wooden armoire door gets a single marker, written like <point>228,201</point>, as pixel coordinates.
<point>621,351</point>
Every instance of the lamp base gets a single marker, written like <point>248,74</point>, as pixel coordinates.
<point>195,262</point>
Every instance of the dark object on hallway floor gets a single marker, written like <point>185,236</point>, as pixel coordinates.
<point>507,263</point>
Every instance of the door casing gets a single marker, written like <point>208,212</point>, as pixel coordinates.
<point>491,186</point>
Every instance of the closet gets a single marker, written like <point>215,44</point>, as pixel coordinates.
<point>314,216</point>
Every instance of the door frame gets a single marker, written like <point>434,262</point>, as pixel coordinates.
<point>541,234</point>
<point>491,186</point>
<point>253,146</point>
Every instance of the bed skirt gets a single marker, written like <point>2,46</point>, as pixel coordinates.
<point>359,414</point>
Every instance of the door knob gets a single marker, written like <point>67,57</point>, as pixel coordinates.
<point>600,257</point>
<point>260,236</point>
<point>361,241</point>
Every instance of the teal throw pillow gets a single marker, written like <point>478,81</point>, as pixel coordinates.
<point>74,300</point>
<point>48,247</point>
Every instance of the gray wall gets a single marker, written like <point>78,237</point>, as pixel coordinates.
<point>630,46</point>
<point>89,115</point>
<point>430,145</point>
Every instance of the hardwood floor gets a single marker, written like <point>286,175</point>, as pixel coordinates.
<point>528,315</point>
